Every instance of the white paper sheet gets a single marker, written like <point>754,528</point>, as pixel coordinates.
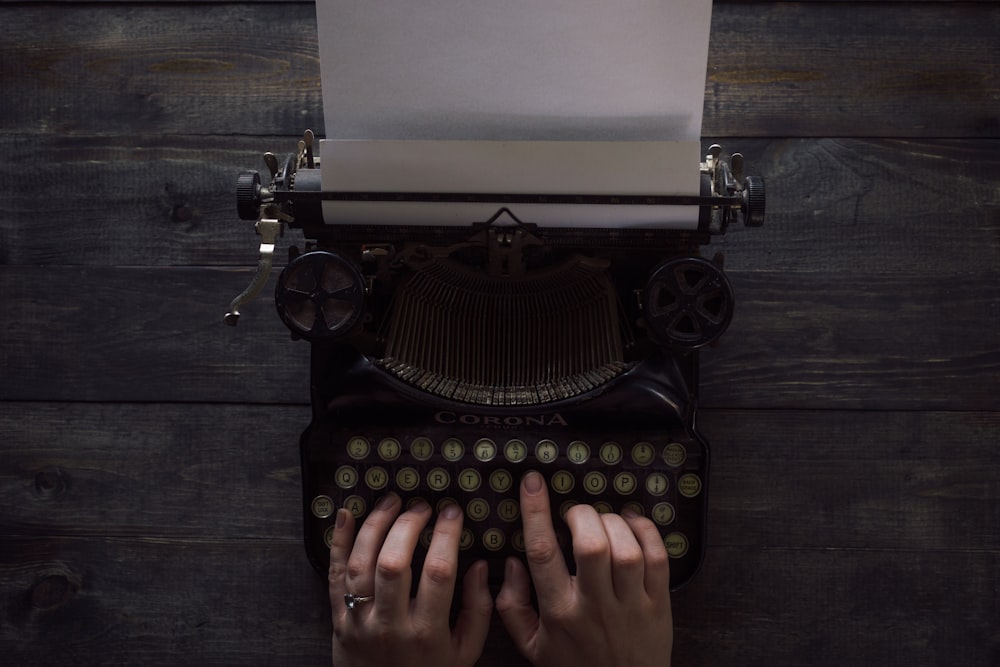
<point>626,72</point>
<point>521,167</point>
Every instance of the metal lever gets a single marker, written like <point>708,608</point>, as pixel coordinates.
<point>269,229</point>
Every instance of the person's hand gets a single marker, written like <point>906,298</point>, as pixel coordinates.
<point>614,612</point>
<point>393,629</point>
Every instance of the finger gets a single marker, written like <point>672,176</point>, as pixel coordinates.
<point>437,579</point>
<point>626,559</point>
<point>514,606</point>
<point>545,559</point>
<point>473,623</point>
<point>340,551</point>
<point>393,575</point>
<point>591,551</point>
<point>360,578</point>
<point>656,563</point>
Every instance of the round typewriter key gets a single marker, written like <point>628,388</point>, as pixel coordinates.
<point>484,450</point>
<point>663,513</point>
<point>389,449</point>
<point>625,483</point>
<point>508,510</point>
<point>438,479</point>
<point>562,481</point>
<point>676,544</point>
<point>477,509</point>
<point>322,507</point>
<point>578,452</point>
<point>425,537</point>
<point>517,540</point>
<point>376,478</point>
<point>603,507</point>
<point>635,508</point>
<point>358,448</point>
<point>452,449</point>
<point>469,479</point>
<point>689,485</point>
<point>407,479</point>
<point>546,451</point>
<point>643,453</point>
<point>421,448</point>
<point>657,484</point>
<point>493,539</point>
<point>595,482</point>
<point>565,508</point>
<point>611,453</point>
<point>674,454</point>
<point>357,505</point>
<point>467,539</point>
<point>515,451</point>
<point>328,537</point>
<point>501,481</point>
<point>346,477</point>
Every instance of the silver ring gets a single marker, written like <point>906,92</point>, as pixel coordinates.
<point>352,601</point>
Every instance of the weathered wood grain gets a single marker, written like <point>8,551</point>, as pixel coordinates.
<point>867,538</point>
<point>149,480</point>
<point>253,602</point>
<point>924,207</point>
<point>775,69</point>
<point>778,479</point>
<point>798,340</point>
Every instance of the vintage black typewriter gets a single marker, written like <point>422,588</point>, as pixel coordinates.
<point>449,360</point>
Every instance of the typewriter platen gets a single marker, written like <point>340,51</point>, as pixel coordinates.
<point>447,361</point>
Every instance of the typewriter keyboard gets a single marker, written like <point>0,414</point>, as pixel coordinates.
<point>662,478</point>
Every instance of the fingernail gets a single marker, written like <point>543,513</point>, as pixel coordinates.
<point>629,513</point>
<point>341,517</point>
<point>484,571</point>
<point>533,482</point>
<point>385,502</point>
<point>420,506</point>
<point>451,511</point>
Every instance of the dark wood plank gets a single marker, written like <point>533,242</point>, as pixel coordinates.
<point>854,538</point>
<point>715,2</point>
<point>252,602</point>
<point>798,340</point>
<point>835,607</point>
<point>775,69</point>
<point>833,204</point>
<point>778,479</point>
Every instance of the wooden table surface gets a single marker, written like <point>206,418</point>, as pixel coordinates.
<point>149,479</point>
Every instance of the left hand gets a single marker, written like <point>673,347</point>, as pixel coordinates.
<point>393,629</point>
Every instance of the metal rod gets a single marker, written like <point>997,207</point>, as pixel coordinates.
<point>509,198</point>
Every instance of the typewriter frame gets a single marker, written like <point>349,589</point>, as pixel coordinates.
<point>345,381</point>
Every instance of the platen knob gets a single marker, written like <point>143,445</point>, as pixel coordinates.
<point>753,201</point>
<point>248,195</point>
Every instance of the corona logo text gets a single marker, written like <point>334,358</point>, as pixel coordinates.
<point>447,417</point>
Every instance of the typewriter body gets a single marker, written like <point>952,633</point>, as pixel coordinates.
<point>447,361</point>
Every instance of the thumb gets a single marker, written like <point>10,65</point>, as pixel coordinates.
<point>473,624</point>
<point>514,606</point>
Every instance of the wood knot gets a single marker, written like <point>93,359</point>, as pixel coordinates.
<point>182,213</point>
<point>52,592</point>
<point>50,483</point>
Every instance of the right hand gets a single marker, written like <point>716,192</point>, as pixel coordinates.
<point>615,612</point>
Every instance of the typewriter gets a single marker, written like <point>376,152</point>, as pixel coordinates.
<point>448,360</point>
